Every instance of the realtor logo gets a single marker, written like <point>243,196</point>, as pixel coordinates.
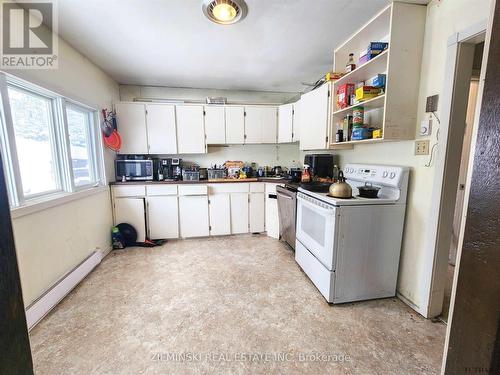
<point>29,35</point>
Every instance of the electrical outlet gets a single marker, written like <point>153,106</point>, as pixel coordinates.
<point>422,147</point>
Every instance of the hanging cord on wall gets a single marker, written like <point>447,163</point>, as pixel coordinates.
<point>434,146</point>
<point>437,118</point>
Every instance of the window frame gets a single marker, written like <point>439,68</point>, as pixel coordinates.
<point>61,145</point>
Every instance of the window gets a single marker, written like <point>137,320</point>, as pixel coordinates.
<point>33,121</point>
<point>80,126</point>
<point>49,143</point>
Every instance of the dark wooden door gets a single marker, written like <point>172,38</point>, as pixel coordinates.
<point>474,346</point>
<point>15,352</point>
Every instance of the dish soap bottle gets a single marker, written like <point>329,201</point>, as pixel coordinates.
<point>306,175</point>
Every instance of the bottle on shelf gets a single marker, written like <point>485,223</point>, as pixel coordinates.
<point>350,66</point>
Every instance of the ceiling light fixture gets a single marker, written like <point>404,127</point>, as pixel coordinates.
<point>224,12</point>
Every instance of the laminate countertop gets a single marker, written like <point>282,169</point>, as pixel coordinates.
<point>218,181</point>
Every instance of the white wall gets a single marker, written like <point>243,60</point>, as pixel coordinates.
<point>285,155</point>
<point>444,17</point>
<point>49,243</point>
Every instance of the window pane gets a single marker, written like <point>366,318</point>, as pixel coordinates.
<point>32,118</point>
<point>80,145</point>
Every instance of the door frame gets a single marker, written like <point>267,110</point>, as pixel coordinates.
<point>456,87</point>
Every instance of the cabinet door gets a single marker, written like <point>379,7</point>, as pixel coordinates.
<point>162,136</point>
<point>131,211</point>
<point>314,109</point>
<point>215,127</point>
<point>296,122</point>
<point>235,125</point>
<point>190,129</point>
<point>257,212</point>
<point>285,123</point>
<point>261,124</point>
<point>131,123</point>
<point>220,214</point>
<point>239,213</point>
<point>163,217</point>
<point>193,216</point>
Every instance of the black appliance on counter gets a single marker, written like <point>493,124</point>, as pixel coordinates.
<point>172,168</point>
<point>133,168</point>
<point>321,165</point>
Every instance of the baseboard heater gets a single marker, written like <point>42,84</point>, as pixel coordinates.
<point>47,301</point>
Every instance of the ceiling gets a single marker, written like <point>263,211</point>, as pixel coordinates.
<point>280,43</point>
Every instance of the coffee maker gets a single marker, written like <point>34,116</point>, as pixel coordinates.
<point>171,168</point>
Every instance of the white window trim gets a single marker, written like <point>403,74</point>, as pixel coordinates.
<point>21,206</point>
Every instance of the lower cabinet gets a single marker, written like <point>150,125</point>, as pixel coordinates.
<point>193,216</point>
<point>163,217</point>
<point>257,212</point>
<point>239,213</point>
<point>220,211</point>
<point>131,211</point>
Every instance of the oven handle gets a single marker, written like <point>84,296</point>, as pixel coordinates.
<point>327,211</point>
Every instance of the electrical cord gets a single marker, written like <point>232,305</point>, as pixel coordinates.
<point>429,163</point>
<point>437,118</point>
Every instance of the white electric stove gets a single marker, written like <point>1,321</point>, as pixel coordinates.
<point>350,248</point>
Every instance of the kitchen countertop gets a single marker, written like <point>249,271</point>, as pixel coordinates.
<point>219,181</point>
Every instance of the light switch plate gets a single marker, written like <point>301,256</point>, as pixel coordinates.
<point>422,147</point>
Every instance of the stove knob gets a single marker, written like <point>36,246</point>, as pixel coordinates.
<point>385,174</point>
<point>392,175</point>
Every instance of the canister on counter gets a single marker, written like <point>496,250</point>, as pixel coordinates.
<point>358,116</point>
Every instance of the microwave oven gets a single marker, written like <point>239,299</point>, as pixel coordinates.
<point>134,170</point>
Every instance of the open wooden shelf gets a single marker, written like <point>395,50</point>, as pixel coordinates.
<point>377,65</point>
<point>377,102</point>
<point>350,144</point>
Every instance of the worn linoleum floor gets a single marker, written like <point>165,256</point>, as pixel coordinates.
<point>232,305</point>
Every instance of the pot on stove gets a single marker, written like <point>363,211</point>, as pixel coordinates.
<point>368,190</point>
<point>340,189</point>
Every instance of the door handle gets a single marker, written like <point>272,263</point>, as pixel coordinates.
<point>284,196</point>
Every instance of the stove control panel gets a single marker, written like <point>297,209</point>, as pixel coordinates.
<point>376,174</point>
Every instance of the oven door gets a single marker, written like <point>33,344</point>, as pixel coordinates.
<point>317,227</point>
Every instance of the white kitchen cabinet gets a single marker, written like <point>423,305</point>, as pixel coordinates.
<point>272,218</point>
<point>257,212</point>
<point>131,124</point>
<point>193,216</point>
<point>285,123</point>
<point>314,118</point>
<point>235,125</point>
<point>239,213</point>
<point>190,129</point>
<point>220,214</point>
<point>261,123</point>
<point>161,128</point>
<point>131,211</point>
<point>163,217</point>
<point>296,122</point>
<point>215,125</point>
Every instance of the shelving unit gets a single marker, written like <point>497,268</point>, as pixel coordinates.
<point>395,111</point>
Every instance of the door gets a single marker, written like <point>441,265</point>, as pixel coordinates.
<point>220,214</point>
<point>260,124</point>
<point>257,212</point>
<point>190,129</point>
<point>285,123</point>
<point>235,125</point>
<point>296,122</point>
<point>131,211</point>
<point>163,217</point>
<point>193,216</point>
<point>131,124</point>
<point>316,228</point>
<point>314,116</point>
<point>239,213</point>
<point>215,126</point>
<point>162,135</point>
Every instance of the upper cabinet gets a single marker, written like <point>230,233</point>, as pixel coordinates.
<point>131,118</point>
<point>235,124</point>
<point>190,129</point>
<point>160,122</point>
<point>285,123</point>
<point>215,125</point>
<point>315,117</point>
<point>296,122</point>
<point>261,124</point>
